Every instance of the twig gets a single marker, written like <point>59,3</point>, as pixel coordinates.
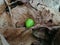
<point>12,3</point>
<point>8,7</point>
<point>10,13</point>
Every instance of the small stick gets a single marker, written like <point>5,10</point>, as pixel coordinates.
<point>6,2</point>
<point>12,3</point>
<point>8,7</point>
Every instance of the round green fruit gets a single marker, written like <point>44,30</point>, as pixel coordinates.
<point>29,23</point>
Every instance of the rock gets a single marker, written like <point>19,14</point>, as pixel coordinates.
<point>11,33</point>
<point>18,36</point>
<point>21,13</point>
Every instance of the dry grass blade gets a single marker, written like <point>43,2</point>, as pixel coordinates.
<point>9,8</point>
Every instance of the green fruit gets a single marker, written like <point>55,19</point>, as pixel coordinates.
<point>29,23</point>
